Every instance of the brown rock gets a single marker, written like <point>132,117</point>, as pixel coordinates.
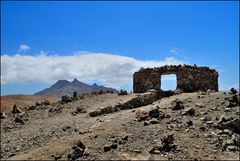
<point>154,121</point>
<point>177,104</point>
<point>190,111</point>
<point>16,109</point>
<point>19,120</point>
<point>3,115</point>
<point>233,125</point>
<point>141,115</point>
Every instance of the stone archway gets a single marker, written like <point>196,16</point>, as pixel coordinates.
<point>189,78</point>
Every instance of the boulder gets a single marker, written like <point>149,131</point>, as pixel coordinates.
<point>234,141</point>
<point>154,113</point>
<point>233,125</point>
<point>54,109</point>
<point>3,115</point>
<point>177,104</point>
<point>122,92</point>
<point>114,146</point>
<point>67,128</point>
<point>37,104</point>
<point>189,123</point>
<point>189,111</point>
<point>141,115</point>
<point>19,120</point>
<point>76,151</point>
<point>166,145</point>
<point>66,99</point>
<point>46,102</point>
<point>233,100</point>
<point>16,109</point>
<point>107,148</point>
<point>233,91</point>
<point>32,108</point>
<point>80,109</point>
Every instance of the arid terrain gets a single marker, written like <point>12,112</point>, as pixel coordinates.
<point>199,126</point>
<point>22,101</point>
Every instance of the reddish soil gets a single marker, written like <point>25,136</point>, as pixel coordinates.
<point>22,101</point>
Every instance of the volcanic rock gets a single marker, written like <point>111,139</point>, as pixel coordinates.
<point>177,104</point>
<point>16,109</point>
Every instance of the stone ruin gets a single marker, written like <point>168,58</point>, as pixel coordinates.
<point>189,78</point>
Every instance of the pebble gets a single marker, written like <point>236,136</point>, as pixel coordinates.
<point>107,148</point>
<point>227,109</point>
<point>154,121</point>
<point>157,152</point>
<point>200,105</point>
<point>137,151</point>
<point>232,148</point>
<point>146,123</point>
<point>209,122</point>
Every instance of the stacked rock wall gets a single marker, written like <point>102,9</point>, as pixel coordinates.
<point>189,78</point>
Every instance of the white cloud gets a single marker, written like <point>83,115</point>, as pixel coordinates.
<point>176,51</point>
<point>43,53</point>
<point>110,70</point>
<point>23,48</point>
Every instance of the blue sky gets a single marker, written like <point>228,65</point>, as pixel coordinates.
<point>129,34</point>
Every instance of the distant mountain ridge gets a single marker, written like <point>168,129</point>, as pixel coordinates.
<point>64,87</point>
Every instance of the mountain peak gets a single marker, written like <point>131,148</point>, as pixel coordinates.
<point>60,83</point>
<point>64,87</point>
<point>75,80</point>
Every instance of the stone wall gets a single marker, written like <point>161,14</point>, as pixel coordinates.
<point>189,78</point>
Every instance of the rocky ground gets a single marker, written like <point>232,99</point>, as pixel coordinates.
<point>199,126</point>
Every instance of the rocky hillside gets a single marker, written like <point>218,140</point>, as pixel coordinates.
<point>64,87</point>
<point>199,126</point>
<point>22,101</point>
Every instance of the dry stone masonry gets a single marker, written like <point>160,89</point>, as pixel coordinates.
<point>189,78</point>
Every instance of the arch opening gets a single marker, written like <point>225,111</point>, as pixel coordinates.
<point>168,82</point>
